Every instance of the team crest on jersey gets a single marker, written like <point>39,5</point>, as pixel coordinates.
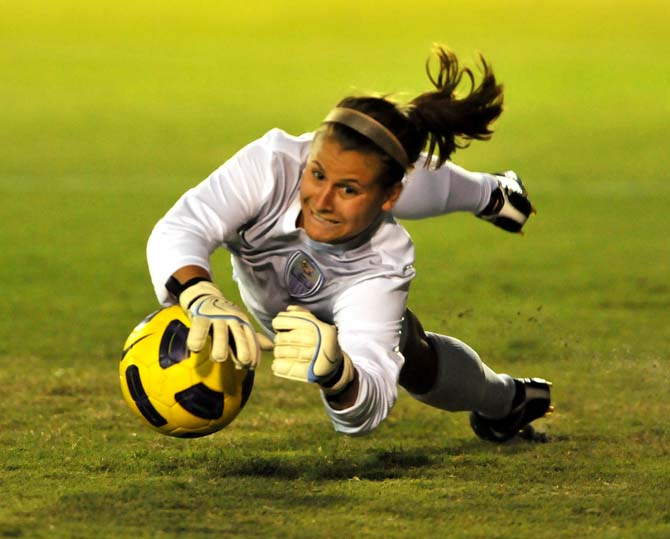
<point>303,276</point>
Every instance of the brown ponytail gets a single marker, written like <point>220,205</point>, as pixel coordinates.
<point>446,118</point>
<point>438,121</point>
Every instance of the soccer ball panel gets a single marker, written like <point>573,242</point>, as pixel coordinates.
<point>140,397</point>
<point>175,391</point>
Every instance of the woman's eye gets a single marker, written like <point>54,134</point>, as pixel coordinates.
<point>347,190</point>
<point>318,174</point>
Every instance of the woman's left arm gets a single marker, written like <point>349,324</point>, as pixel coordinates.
<point>498,198</point>
<point>429,193</point>
<point>369,319</point>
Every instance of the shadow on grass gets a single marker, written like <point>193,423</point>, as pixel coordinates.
<point>374,465</point>
<point>179,489</point>
<point>338,463</point>
<point>173,492</point>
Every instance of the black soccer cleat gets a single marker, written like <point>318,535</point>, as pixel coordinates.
<point>532,401</point>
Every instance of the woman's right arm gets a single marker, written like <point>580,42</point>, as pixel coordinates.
<point>206,216</point>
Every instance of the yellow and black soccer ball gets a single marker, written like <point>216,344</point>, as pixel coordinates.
<point>173,390</point>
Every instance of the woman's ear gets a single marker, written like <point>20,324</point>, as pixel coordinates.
<point>391,196</point>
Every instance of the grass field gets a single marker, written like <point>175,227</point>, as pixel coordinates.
<point>111,109</point>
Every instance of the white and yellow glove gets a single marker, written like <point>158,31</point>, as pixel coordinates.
<point>306,349</point>
<point>207,308</point>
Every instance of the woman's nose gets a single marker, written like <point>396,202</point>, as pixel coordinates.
<point>323,198</point>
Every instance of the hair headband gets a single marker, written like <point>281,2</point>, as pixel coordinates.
<point>372,129</point>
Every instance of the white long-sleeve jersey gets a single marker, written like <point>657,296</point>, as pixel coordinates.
<point>250,205</point>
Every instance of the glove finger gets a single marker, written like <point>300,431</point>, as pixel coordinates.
<point>265,342</point>
<point>521,203</point>
<point>197,335</point>
<point>219,340</point>
<point>290,370</point>
<point>297,337</point>
<point>285,321</point>
<point>297,309</point>
<point>243,355</point>
<point>254,346</point>
<point>296,353</point>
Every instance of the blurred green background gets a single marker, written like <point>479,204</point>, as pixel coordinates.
<point>110,110</point>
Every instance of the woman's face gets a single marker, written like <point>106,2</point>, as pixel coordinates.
<point>340,194</point>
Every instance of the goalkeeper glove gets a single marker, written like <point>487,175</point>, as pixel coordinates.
<point>509,207</point>
<point>207,308</point>
<point>306,349</point>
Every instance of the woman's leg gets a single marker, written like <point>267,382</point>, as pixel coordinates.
<point>446,373</point>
